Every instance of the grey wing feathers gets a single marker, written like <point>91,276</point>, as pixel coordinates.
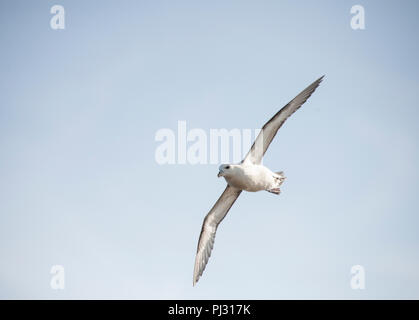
<point>209,228</point>
<point>270,129</point>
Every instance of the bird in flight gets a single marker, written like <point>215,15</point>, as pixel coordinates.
<point>249,175</point>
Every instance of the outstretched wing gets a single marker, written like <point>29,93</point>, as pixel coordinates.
<point>209,227</point>
<point>270,128</point>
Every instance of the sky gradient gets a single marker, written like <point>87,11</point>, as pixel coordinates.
<point>80,187</point>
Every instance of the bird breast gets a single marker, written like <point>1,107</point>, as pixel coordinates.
<point>250,178</point>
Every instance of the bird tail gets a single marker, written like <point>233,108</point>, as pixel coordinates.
<point>281,177</point>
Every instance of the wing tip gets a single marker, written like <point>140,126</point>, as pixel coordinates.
<point>196,274</point>
<point>311,88</point>
<point>195,279</point>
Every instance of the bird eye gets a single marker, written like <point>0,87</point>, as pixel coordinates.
<point>228,167</point>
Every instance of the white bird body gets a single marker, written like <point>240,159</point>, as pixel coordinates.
<point>249,175</point>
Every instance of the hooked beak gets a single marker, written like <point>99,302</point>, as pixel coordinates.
<point>220,174</point>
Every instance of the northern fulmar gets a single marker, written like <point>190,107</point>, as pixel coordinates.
<point>249,175</point>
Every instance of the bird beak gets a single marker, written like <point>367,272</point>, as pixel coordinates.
<point>220,174</point>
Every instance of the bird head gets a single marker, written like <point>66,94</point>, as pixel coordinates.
<point>224,170</point>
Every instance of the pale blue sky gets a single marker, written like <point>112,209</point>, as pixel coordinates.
<point>79,187</point>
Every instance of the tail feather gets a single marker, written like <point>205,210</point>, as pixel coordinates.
<point>280,176</point>
<point>274,190</point>
<point>279,179</point>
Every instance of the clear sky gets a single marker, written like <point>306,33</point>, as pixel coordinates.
<point>80,186</point>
